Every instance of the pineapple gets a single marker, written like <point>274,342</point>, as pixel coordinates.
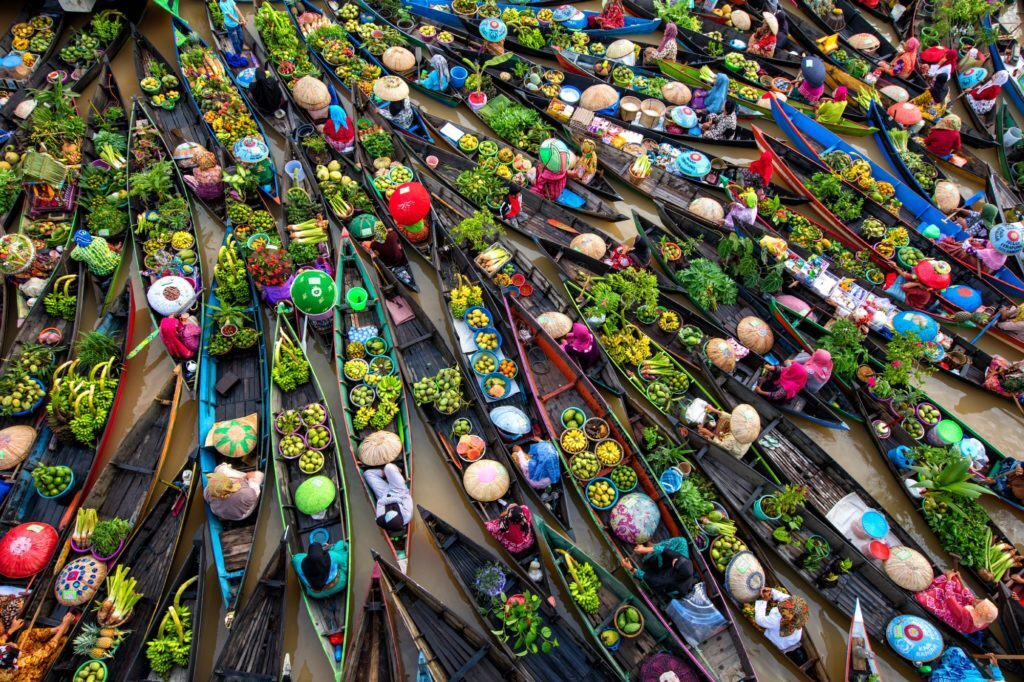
<point>96,642</point>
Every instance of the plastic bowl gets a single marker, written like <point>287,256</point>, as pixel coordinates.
<point>36,404</point>
<point>496,375</point>
<point>482,354</point>
<point>486,330</point>
<point>330,439</point>
<point>610,482</point>
<point>85,666</point>
<point>68,488</point>
<point>485,311</point>
<point>572,409</point>
<point>304,443</point>
<point>636,481</point>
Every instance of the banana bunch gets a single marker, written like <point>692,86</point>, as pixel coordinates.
<point>584,585</point>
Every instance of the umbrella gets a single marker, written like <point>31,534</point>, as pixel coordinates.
<point>744,577</point>
<point>511,420</point>
<point>250,150</point>
<point>909,569</point>
<point>1007,238</point>
<point>313,292</point>
<point>170,295</point>
<point>15,444</point>
<point>409,204</point>
<point>913,638</point>
<point>493,30</point>
<point>390,89</point>
<point>26,549</point>
<point>314,495</point>
<point>812,69</point>
<point>963,297</point>
<point>744,423</point>
<point>913,322</point>
<point>486,480</point>
<point>554,154</point>
<point>634,519</point>
<point>906,114</point>
<point>79,581</point>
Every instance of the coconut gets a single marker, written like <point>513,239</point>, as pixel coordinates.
<point>310,93</point>
<point>947,196</point>
<point>598,97</point>
<point>676,93</point>
<point>398,59</point>
<point>708,208</point>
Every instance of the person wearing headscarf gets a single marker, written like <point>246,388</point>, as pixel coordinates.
<point>265,92</point>
<point>830,111</point>
<point>29,657</point>
<point>758,174</point>
<point>982,98</point>
<point>612,16</point>
<point>438,79</point>
<point>513,528</point>
<point>181,336</point>
<point>581,346</point>
<point>764,40</point>
<point>1011,319</point>
<point>952,602</point>
<point>943,139</point>
<point>742,212</point>
<point>666,49</point>
<point>956,666</point>
<point>818,366</point>
<point>939,89</point>
<point>721,126</point>
<point>975,223</point>
<point>584,168</point>
<point>386,246</point>
<point>540,465</point>
<point>976,251</point>
<point>782,384</point>
<point>206,179</point>
<point>337,129</point>
<point>905,63</point>
<point>394,501</point>
<point>548,183</point>
<point>714,100</point>
<point>99,256</point>
<point>399,113</point>
<point>782,616</point>
<point>322,572</point>
<point>666,567</point>
<point>233,495</point>
<point>722,434</point>
<point>940,60</point>
<point>812,79</point>
<point>1004,377</point>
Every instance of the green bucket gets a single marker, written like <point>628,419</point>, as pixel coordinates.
<point>947,432</point>
<point>357,297</point>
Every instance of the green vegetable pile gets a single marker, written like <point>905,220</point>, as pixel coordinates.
<point>173,642</point>
<point>585,584</point>
<point>291,369</point>
<point>81,398</point>
<point>108,534</point>
<point>707,285</point>
<point>518,125</point>
<point>829,189</point>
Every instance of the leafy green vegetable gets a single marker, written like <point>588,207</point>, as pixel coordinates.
<point>707,285</point>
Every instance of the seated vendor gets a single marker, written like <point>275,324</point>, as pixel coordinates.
<point>323,573</point>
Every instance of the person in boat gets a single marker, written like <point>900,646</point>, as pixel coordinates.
<point>1009,481</point>
<point>975,223</point>
<point>758,174</point>
<point>439,78</point>
<point>811,81</point>
<point>337,129</point>
<point>721,126</point>
<point>181,336</point>
<point>976,251</point>
<point>397,108</point>
<point>386,246</point>
<point>1004,377</point>
<point>513,528</point>
<point>743,211</point>
<point>818,366</point>
<point>265,91</point>
<point>549,183</point>
<point>908,288</point>
<point>233,495</point>
<point>612,16</point>
<point>956,666</point>
<point>206,179</point>
<point>323,571</point>
<point>982,98</point>
<point>1011,319</point>
<point>938,60</point>
<point>584,168</point>
<point>581,346</point>
<point>782,616</point>
<point>939,89</point>
<point>234,23</point>
<point>29,657</point>
<point>100,257</point>
<point>394,501</point>
<point>782,384</point>
<point>764,40</point>
<point>539,465</point>
<point>830,111</point>
<point>666,49</point>
<point>715,98</point>
<point>905,63</point>
<point>511,209</point>
<point>943,139</point>
<point>952,602</point>
<point>722,434</point>
<point>665,567</point>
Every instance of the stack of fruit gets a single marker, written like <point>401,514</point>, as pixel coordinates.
<point>51,481</point>
<point>629,621</point>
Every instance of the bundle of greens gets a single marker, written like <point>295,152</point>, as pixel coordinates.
<point>477,232</point>
<point>845,342</point>
<point>291,369</point>
<point>707,285</point>
<point>518,125</point>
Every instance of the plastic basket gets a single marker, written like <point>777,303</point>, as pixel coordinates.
<point>486,330</point>
<point>496,375</point>
<point>610,482</point>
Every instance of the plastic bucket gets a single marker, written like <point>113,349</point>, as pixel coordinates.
<point>1011,137</point>
<point>871,526</point>
<point>458,76</point>
<point>947,432</point>
<point>357,297</point>
<point>878,550</point>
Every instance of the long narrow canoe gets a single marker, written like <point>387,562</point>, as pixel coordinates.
<point>373,654</point>
<point>350,325</point>
<point>860,660</point>
<point>452,649</point>
<point>233,386</point>
<point>51,23</point>
<point>1008,157</point>
<point>330,615</point>
<point>1013,90</point>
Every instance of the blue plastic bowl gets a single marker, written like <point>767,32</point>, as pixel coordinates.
<point>482,354</point>
<point>486,330</point>
<point>609,482</point>
<point>62,493</point>
<point>497,375</point>
<point>488,313</point>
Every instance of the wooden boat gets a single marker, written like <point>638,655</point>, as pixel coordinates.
<point>233,386</point>
<point>729,39</point>
<point>644,428</point>
<point>541,219</point>
<point>1013,90</point>
<point>57,24</point>
<point>142,125</point>
<point>454,269</point>
<point>722,654</point>
<point>186,38</point>
<point>580,198</point>
<point>1008,157</point>
<point>149,554</point>
<point>330,615</point>
<point>253,650</point>
<point>860,660</point>
<point>572,659</point>
<point>178,125</point>
<point>365,109</point>
<point>373,652</point>
<point>547,296</point>
<point>243,75</point>
<point>347,322</point>
<point>451,647</point>
<point>853,23</point>
<point>187,588</point>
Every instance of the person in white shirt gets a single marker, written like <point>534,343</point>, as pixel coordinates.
<point>782,616</point>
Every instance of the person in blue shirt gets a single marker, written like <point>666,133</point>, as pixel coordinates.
<point>233,23</point>
<point>438,79</point>
<point>323,573</point>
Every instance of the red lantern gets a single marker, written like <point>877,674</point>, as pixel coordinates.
<point>26,550</point>
<point>934,274</point>
<point>409,204</point>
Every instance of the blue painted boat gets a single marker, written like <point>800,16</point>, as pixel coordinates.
<point>184,35</point>
<point>813,139</point>
<point>244,392</point>
<point>1014,89</point>
<point>442,13</point>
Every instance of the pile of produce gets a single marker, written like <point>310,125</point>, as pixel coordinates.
<point>62,301</point>
<point>443,391</point>
<point>98,643</point>
<point>305,434</point>
<point>104,188</point>
<point>32,39</point>
<point>331,42</point>
<point>628,621</point>
<point>51,481</point>
<point>601,493</point>
<point>116,609</point>
<point>723,549</point>
<point>519,125</point>
<point>160,85</point>
<point>585,585</point>
<point>231,332</point>
<point>291,368</point>
<point>171,647</point>
<point>215,92</point>
<point>88,44</point>
<point>924,172</point>
<point>83,390</point>
<point>343,194</point>
<point>287,51</point>
<point>377,398</point>
<point>55,124</point>
<point>858,173</point>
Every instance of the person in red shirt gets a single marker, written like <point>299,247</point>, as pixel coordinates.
<point>512,208</point>
<point>982,98</point>
<point>513,528</point>
<point>338,129</point>
<point>944,138</point>
<point>612,16</point>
